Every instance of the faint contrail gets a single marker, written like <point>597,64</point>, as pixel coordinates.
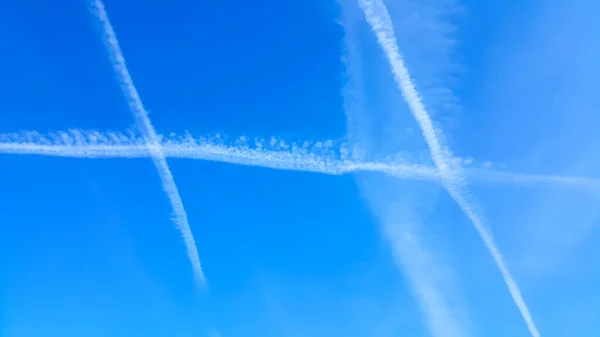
<point>495,176</point>
<point>428,278</point>
<point>379,19</point>
<point>320,157</point>
<point>145,126</point>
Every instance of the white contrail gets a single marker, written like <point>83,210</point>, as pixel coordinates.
<point>425,273</point>
<point>320,157</point>
<point>379,19</point>
<point>145,126</point>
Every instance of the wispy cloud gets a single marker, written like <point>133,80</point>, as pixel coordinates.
<point>426,276</point>
<point>149,133</point>
<point>378,17</point>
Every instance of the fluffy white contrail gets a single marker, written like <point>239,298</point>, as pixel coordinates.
<point>148,132</point>
<point>377,16</point>
<point>320,157</point>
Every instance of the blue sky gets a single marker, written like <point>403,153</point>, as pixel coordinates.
<point>89,245</point>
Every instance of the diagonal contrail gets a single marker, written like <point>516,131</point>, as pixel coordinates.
<point>377,15</point>
<point>394,203</point>
<point>148,132</point>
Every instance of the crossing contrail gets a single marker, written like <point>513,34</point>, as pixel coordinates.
<point>395,203</point>
<point>326,157</point>
<point>377,16</point>
<point>149,134</point>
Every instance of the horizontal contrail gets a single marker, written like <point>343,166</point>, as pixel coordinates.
<point>320,157</point>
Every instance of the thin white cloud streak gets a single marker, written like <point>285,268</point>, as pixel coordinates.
<point>145,126</point>
<point>319,157</point>
<point>377,16</point>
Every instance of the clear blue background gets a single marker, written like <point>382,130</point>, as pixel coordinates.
<point>87,246</point>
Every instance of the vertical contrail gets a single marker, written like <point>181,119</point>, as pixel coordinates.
<point>377,15</point>
<point>149,133</point>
